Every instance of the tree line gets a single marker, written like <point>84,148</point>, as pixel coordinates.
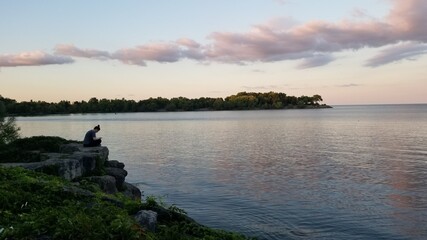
<point>240,101</point>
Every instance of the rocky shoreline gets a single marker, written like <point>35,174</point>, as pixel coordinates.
<point>77,163</point>
<point>79,168</point>
<point>74,162</point>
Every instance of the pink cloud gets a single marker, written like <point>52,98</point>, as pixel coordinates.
<point>159,52</point>
<point>35,58</point>
<point>408,17</point>
<point>164,52</point>
<point>314,42</point>
<point>188,43</point>
<point>71,50</point>
<point>267,43</point>
<point>316,61</point>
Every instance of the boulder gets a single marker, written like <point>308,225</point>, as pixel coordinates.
<point>89,161</point>
<point>70,148</point>
<point>147,219</point>
<point>56,165</point>
<point>72,162</point>
<point>66,168</point>
<point>131,191</point>
<point>100,151</point>
<point>118,174</point>
<point>114,164</point>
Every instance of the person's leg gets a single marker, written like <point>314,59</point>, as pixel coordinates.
<point>97,143</point>
<point>94,143</point>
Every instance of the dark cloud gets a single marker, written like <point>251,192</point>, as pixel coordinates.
<point>316,61</point>
<point>407,50</point>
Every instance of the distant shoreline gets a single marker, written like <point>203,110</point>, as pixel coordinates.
<point>239,101</point>
<point>177,111</point>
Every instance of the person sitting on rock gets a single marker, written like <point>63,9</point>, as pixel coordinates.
<point>90,138</point>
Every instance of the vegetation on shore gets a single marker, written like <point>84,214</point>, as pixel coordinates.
<point>38,206</point>
<point>240,101</point>
<point>30,149</point>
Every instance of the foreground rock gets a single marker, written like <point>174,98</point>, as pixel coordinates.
<point>147,219</point>
<point>75,162</point>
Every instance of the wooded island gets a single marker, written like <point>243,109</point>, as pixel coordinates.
<point>240,101</point>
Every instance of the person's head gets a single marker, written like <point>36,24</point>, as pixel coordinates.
<point>97,128</point>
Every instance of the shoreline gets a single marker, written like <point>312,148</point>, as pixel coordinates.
<point>308,107</point>
<point>73,176</point>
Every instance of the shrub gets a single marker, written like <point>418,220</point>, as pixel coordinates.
<point>29,149</point>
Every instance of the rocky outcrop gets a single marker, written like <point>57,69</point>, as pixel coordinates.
<point>75,162</point>
<point>72,162</point>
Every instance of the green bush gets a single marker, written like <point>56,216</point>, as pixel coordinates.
<point>29,149</point>
<point>33,205</point>
<point>41,143</point>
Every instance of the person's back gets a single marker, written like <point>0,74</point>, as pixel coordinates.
<point>90,139</point>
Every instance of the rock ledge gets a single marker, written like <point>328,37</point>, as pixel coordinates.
<point>75,162</point>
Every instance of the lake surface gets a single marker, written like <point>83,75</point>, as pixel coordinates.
<point>351,172</point>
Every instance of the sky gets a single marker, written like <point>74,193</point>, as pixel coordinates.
<point>347,51</point>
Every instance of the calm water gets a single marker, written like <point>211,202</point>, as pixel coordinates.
<point>351,172</point>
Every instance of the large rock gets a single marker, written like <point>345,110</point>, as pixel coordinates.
<point>90,162</point>
<point>56,165</point>
<point>147,219</point>
<point>73,162</point>
<point>114,164</point>
<point>131,191</point>
<point>119,174</point>
<point>70,148</point>
<point>101,151</point>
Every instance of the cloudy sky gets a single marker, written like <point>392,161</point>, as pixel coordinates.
<point>348,51</point>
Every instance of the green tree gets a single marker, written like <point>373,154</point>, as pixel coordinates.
<point>8,128</point>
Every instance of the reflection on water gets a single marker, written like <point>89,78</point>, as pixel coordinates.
<point>351,172</point>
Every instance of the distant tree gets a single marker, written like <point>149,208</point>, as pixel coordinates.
<point>317,98</point>
<point>218,104</point>
<point>240,101</point>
